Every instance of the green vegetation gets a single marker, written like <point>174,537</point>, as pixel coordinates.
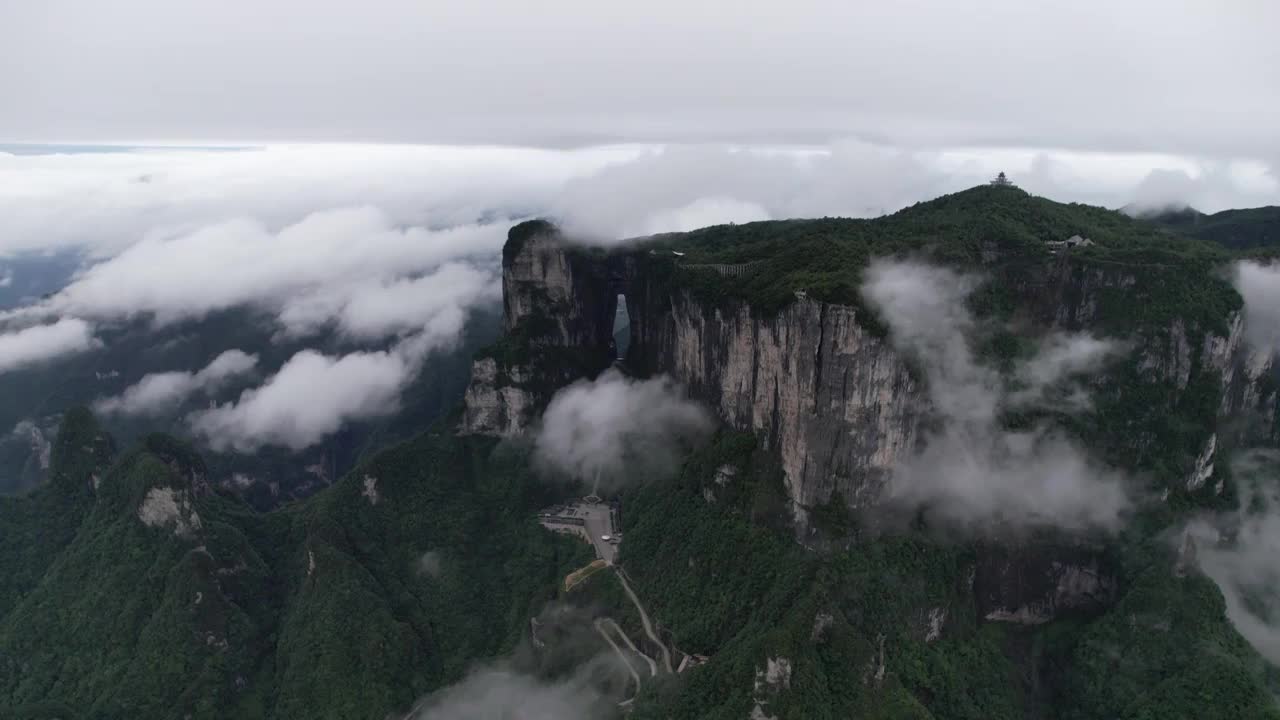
<point>324,609</point>
<point>1000,230</point>
<point>855,628</point>
<point>1246,229</point>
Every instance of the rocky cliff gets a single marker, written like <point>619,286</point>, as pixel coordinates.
<point>558,313</point>
<point>818,382</point>
<point>838,405</point>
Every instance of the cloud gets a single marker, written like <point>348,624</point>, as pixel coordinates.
<point>971,470</point>
<point>1060,356</point>
<point>611,429</point>
<point>95,202</point>
<point>6,278</point>
<point>682,187</point>
<point>376,243</point>
<point>313,395</point>
<point>158,393</point>
<point>1210,184</point>
<point>329,259</point>
<point>310,397</point>
<point>31,345</point>
<point>1259,285</point>
<point>1238,552</point>
<point>578,72</point>
<point>563,671</point>
<point>379,308</point>
<point>611,191</point>
<point>501,692</point>
<point>701,213</point>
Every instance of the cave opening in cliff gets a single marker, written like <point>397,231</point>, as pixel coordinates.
<point>621,328</point>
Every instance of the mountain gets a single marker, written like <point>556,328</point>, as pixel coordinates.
<point>1234,229</point>
<point>780,572</point>
<point>136,589</point>
<point>37,395</point>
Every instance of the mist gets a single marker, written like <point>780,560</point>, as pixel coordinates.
<point>38,343</point>
<point>1259,285</point>
<point>615,430</point>
<point>502,692</point>
<point>970,470</point>
<point>158,393</point>
<point>562,670</point>
<point>1238,551</point>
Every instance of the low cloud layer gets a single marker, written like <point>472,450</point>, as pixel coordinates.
<point>971,470</point>
<point>374,309</point>
<point>1238,552</point>
<point>35,344</point>
<point>562,670</point>
<point>331,263</point>
<point>501,692</point>
<point>159,393</point>
<point>378,243</point>
<point>310,397</point>
<point>615,428</point>
<point>1259,285</point>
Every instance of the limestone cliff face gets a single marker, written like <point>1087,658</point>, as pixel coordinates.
<point>838,405</point>
<point>496,407</point>
<point>835,401</point>
<point>556,295</point>
<point>558,313</point>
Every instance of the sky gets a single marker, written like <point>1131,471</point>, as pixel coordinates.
<point>1183,76</point>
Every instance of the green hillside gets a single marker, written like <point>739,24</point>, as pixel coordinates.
<point>318,610</point>
<point>1247,229</point>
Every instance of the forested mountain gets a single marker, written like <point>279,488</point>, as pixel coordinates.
<point>1235,229</point>
<point>960,456</point>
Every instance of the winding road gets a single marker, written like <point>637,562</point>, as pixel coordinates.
<point>644,620</point>
<point>600,626</point>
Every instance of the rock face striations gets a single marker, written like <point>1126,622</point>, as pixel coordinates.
<point>838,405</point>
<point>818,383</point>
<point>559,319</point>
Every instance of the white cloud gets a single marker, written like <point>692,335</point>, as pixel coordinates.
<point>31,345</point>
<point>502,692</point>
<point>106,202</point>
<point>328,254</point>
<point>1209,185</point>
<point>700,213</point>
<point>608,430</point>
<point>311,396</point>
<point>377,308</point>
<point>1259,285</point>
<point>1238,552</point>
<point>378,242</point>
<point>158,393</point>
<point>971,470</point>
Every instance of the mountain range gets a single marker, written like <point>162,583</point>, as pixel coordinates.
<point>988,457</point>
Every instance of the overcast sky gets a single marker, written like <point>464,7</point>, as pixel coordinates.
<point>1177,76</point>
